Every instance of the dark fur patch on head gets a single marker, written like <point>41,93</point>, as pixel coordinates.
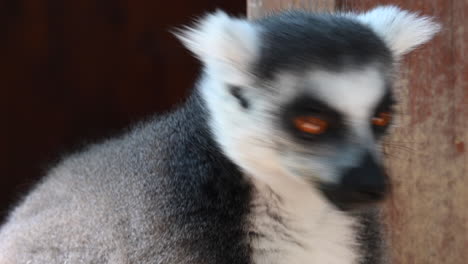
<point>299,40</point>
<point>237,93</point>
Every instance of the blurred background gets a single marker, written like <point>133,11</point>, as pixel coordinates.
<point>73,72</point>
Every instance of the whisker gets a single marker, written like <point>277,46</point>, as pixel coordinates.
<point>402,148</point>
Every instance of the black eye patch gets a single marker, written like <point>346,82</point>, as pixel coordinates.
<point>308,106</point>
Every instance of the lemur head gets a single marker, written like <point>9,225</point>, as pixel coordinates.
<point>306,95</point>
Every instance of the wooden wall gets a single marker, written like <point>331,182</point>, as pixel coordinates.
<point>75,71</point>
<point>427,215</point>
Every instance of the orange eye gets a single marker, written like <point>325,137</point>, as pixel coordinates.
<point>383,119</point>
<point>311,125</point>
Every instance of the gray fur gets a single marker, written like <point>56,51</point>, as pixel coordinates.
<point>162,193</point>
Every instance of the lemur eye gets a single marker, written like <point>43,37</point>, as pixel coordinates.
<point>382,119</point>
<point>310,124</point>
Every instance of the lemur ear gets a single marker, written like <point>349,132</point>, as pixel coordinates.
<point>401,30</point>
<point>220,40</point>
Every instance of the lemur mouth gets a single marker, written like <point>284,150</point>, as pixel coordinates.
<point>346,199</point>
<point>365,184</point>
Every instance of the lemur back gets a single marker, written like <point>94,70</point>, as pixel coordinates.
<point>273,159</point>
<point>163,193</point>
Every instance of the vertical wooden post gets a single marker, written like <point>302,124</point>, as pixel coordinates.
<point>259,8</point>
<point>427,214</point>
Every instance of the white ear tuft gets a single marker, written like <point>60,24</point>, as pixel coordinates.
<point>401,30</point>
<point>220,39</point>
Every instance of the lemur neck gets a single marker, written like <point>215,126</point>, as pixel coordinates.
<point>299,199</point>
<point>293,219</point>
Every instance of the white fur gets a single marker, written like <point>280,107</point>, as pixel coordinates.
<point>251,138</point>
<point>401,30</point>
<point>354,93</point>
<point>223,43</point>
<point>321,234</point>
<point>325,234</point>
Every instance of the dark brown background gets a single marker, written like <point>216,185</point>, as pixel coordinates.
<point>75,71</point>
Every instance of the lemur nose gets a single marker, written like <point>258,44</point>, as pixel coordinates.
<point>363,184</point>
<point>367,181</point>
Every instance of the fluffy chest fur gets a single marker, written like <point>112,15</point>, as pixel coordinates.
<point>293,225</point>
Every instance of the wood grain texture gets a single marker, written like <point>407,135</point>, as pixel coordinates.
<point>427,215</point>
<point>259,8</point>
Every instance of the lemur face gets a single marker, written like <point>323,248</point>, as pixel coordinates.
<point>306,96</point>
<point>329,130</point>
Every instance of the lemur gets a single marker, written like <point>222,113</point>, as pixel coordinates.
<point>274,158</point>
